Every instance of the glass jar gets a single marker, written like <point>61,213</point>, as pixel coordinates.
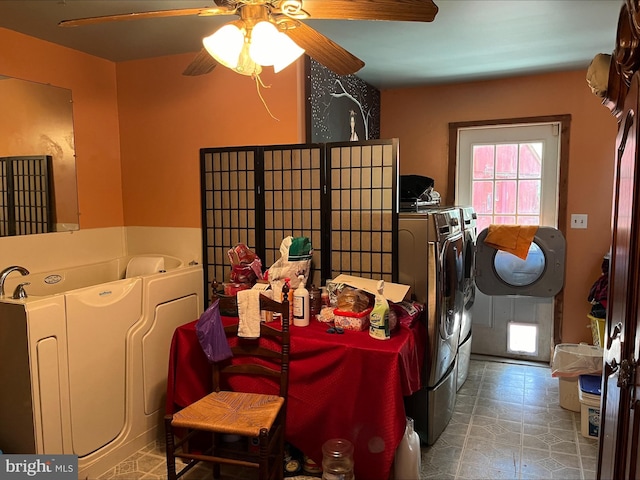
<point>315,301</point>
<point>337,460</point>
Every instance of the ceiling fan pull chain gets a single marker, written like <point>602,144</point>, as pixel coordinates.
<point>259,84</point>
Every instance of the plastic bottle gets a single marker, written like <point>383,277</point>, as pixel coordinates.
<point>301,304</point>
<point>337,460</point>
<point>407,461</point>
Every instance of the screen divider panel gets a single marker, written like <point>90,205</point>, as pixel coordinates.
<point>228,179</point>
<point>364,183</point>
<point>293,177</point>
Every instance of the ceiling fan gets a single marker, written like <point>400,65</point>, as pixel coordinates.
<point>290,32</point>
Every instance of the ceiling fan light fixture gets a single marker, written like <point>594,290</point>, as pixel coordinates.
<point>246,47</point>
<point>246,64</point>
<point>271,47</point>
<point>226,44</point>
<point>288,52</point>
<point>264,43</point>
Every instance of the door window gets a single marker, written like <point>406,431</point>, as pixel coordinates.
<point>506,183</point>
<point>509,173</point>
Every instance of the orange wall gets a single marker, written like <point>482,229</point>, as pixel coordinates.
<point>419,117</point>
<point>139,126</point>
<point>166,117</point>
<point>92,82</point>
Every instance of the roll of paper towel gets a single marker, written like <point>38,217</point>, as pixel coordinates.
<point>144,266</point>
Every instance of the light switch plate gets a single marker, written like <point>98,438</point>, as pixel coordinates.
<point>578,220</point>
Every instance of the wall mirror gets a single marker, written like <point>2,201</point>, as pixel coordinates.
<point>38,188</point>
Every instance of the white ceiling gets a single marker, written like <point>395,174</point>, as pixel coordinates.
<point>468,40</point>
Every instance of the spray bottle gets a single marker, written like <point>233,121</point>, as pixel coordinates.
<point>379,316</point>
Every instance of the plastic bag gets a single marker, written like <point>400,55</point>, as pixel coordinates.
<point>210,333</point>
<point>572,360</point>
<point>295,259</point>
<point>246,266</point>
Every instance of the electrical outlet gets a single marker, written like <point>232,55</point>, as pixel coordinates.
<point>578,220</point>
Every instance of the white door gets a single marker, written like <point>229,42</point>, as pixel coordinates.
<point>509,174</point>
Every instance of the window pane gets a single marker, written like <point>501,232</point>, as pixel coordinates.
<point>483,222</point>
<point>529,196</point>
<point>528,220</point>
<point>531,160</point>
<point>506,161</point>
<point>504,220</point>
<point>506,196</point>
<point>483,161</point>
<point>507,183</point>
<point>482,197</point>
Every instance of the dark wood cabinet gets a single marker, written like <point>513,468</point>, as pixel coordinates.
<point>620,407</point>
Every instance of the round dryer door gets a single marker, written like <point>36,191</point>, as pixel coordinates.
<point>541,274</point>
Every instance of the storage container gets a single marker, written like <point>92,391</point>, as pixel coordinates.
<point>597,330</point>
<point>589,393</point>
<point>569,396</point>
<point>350,320</point>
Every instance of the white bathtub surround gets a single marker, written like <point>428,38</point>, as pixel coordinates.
<point>48,251</point>
<point>184,243</point>
<point>88,354</point>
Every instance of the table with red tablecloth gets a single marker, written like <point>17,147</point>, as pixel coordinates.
<point>340,386</point>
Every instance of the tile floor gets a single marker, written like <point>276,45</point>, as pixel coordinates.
<point>507,424</point>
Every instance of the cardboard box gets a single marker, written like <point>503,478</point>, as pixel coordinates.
<point>393,292</point>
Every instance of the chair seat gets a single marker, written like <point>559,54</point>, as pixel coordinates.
<point>237,413</point>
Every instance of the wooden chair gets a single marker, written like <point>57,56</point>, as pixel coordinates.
<point>194,434</point>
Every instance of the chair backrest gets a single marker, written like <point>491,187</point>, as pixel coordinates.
<point>259,358</point>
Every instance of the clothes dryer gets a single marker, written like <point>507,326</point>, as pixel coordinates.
<point>468,216</point>
<point>430,260</point>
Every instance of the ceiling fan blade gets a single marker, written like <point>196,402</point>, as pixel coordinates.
<point>203,12</point>
<point>393,10</point>
<point>202,64</point>
<point>324,50</point>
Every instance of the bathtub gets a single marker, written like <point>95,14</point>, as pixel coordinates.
<point>84,358</point>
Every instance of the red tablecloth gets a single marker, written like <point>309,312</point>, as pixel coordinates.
<point>340,386</point>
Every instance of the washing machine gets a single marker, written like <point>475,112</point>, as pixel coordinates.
<point>468,217</point>
<point>430,261</point>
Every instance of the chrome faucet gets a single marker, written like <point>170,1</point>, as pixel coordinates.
<point>5,273</point>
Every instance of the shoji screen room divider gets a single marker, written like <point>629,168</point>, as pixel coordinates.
<point>342,196</point>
